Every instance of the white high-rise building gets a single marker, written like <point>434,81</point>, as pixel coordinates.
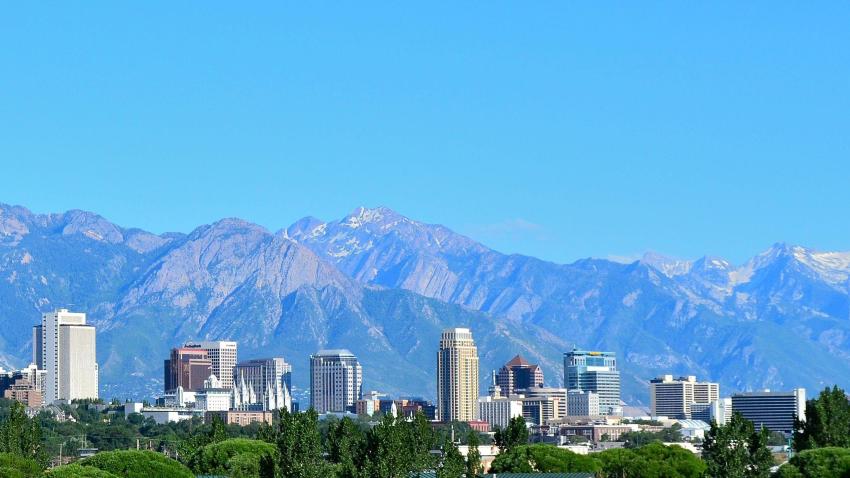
<point>336,381</point>
<point>673,397</point>
<point>68,355</point>
<point>582,404</point>
<point>223,355</point>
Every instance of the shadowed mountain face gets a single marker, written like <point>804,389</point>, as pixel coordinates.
<point>384,286</point>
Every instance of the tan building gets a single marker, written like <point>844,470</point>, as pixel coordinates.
<point>673,397</point>
<point>223,357</point>
<point>241,417</point>
<point>25,392</point>
<point>457,376</point>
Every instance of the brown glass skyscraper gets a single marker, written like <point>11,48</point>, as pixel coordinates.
<point>187,368</point>
<point>518,374</point>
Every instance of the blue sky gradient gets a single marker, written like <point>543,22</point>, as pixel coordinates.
<point>552,129</point>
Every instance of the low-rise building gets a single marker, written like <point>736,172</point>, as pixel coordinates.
<point>241,417</point>
<point>498,411</point>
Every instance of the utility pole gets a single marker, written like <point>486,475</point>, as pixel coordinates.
<point>60,453</point>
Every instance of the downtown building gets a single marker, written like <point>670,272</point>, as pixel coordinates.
<point>64,346</point>
<point>775,411</point>
<point>517,375</point>
<point>674,397</point>
<point>582,404</point>
<point>262,384</point>
<point>186,369</point>
<point>595,372</point>
<point>497,409</point>
<point>457,376</point>
<point>223,357</point>
<point>336,381</point>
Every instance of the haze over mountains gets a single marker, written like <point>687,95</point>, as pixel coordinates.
<point>384,286</point>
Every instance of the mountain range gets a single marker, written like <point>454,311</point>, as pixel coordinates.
<point>384,286</point>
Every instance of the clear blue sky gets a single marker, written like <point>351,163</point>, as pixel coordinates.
<point>545,128</point>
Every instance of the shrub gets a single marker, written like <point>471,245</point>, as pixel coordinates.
<point>231,456</point>
<point>830,462</point>
<point>138,464</point>
<point>16,466</point>
<point>77,471</point>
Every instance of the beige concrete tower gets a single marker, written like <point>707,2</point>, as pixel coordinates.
<point>457,375</point>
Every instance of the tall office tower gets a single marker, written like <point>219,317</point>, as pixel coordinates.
<point>262,384</point>
<point>38,347</point>
<point>594,372</point>
<point>457,375</point>
<point>673,398</point>
<point>517,375</point>
<point>68,354</point>
<point>222,354</point>
<point>336,380</point>
<point>775,411</point>
<point>186,368</point>
<point>582,404</point>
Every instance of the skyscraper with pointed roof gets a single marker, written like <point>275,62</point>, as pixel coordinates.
<point>518,374</point>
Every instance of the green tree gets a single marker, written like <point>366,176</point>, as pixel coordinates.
<point>827,421</point>
<point>299,446</point>
<point>76,470</point>
<point>829,462</point>
<point>515,434</point>
<point>473,456</point>
<point>138,464</point>
<point>737,450</point>
<point>452,465</point>
<point>543,459</point>
<point>16,466</point>
<point>345,447</point>
<point>386,447</point>
<point>219,458</point>
<point>20,435</point>
<point>423,439</point>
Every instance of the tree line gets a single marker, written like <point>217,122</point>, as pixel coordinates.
<point>299,445</point>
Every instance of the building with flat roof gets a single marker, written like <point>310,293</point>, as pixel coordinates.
<point>223,357</point>
<point>68,354</point>
<point>597,372</point>
<point>775,411</point>
<point>673,397</point>
<point>336,381</point>
<point>457,375</point>
<point>582,404</point>
<point>186,368</point>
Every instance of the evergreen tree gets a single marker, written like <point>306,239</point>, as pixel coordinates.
<point>737,450</point>
<point>423,439</point>
<point>453,465</point>
<point>515,434</point>
<point>473,457</point>
<point>827,421</point>
<point>388,448</point>
<point>299,447</point>
<point>345,447</point>
<point>20,435</point>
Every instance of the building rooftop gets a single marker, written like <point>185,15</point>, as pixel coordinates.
<point>334,352</point>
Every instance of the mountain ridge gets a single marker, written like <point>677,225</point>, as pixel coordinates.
<point>373,279</point>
